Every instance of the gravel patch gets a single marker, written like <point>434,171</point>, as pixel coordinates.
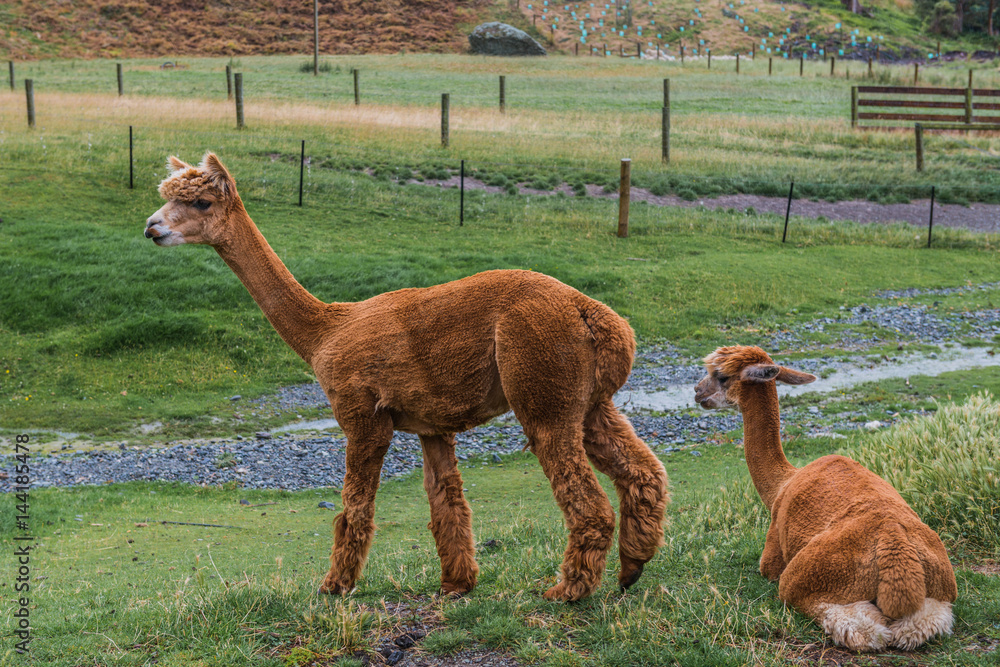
<point>314,461</point>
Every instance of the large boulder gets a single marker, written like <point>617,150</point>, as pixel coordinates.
<point>500,39</point>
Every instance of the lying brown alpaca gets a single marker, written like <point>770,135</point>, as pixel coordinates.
<point>843,545</point>
<point>440,360</point>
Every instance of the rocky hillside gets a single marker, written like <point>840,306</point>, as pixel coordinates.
<point>121,28</point>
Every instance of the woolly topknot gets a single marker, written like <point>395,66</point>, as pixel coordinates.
<point>732,359</point>
<point>187,183</point>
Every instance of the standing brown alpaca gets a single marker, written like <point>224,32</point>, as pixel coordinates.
<point>841,537</point>
<point>440,360</point>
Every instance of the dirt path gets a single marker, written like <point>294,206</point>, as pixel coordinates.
<point>975,217</point>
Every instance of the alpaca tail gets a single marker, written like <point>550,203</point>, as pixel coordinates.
<point>614,343</point>
<point>901,587</point>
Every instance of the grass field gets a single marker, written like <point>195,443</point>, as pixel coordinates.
<point>569,119</point>
<point>118,594</point>
<point>100,331</point>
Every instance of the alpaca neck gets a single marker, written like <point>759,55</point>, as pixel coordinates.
<point>297,316</point>
<point>769,468</point>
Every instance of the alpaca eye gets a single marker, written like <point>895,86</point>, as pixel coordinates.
<point>202,205</point>
<point>721,378</point>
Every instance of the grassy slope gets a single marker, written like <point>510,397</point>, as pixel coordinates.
<point>110,585</point>
<point>120,28</point>
<point>169,334</point>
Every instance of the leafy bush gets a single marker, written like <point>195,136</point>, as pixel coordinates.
<point>941,20</point>
<point>946,467</point>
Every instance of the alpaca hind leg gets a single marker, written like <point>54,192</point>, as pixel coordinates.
<point>585,506</point>
<point>367,442</point>
<point>451,517</point>
<point>932,619</point>
<point>640,481</point>
<point>828,581</point>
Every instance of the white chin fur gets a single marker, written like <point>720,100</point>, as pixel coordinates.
<point>167,237</point>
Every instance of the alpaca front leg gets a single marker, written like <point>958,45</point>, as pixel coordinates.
<point>585,506</point>
<point>640,482</point>
<point>451,517</point>
<point>353,529</point>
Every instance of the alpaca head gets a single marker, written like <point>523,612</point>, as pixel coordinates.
<point>731,369</point>
<point>198,200</point>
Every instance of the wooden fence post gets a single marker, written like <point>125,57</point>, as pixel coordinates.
<point>770,64</point>
<point>638,50</point>
<point>624,192</point>
<point>968,105</point>
<point>710,59</point>
<point>918,133</point>
<point>737,64</point>
<point>229,82</point>
<point>121,82</point>
<point>357,89</point>
<point>445,102</point>
<point>315,47</point>
<point>854,106</point>
<point>503,94</point>
<point>665,136</point>
<point>10,65</point>
<point>802,64</point>
<point>869,67</point>
<point>833,63</point>
<point>970,78</point>
<point>238,77</point>
<point>916,73</point>
<point>753,51</point>
<point>29,92</point>
<point>682,54</point>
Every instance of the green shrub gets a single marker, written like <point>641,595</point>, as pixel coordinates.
<point>946,467</point>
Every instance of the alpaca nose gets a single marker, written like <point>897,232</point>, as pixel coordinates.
<point>149,223</point>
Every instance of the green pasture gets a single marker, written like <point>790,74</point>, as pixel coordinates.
<point>112,592</point>
<point>568,119</point>
<point>102,332</point>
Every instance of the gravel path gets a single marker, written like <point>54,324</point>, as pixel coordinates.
<point>294,461</point>
<point>976,217</point>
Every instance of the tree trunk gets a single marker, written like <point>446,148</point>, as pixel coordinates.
<point>989,28</point>
<point>959,16</point>
<point>854,6</point>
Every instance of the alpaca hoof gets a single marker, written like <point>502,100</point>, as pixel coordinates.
<point>456,589</point>
<point>629,576</point>
<point>331,586</point>
<point>858,626</point>
<point>563,592</point>
<point>932,619</point>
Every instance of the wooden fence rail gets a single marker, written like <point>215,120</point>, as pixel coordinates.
<point>895,108</point>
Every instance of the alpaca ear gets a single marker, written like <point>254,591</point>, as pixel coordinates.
<point>788,376</point>
<point>217,173</point>
<point>759,373</point>
<point>176,164</point>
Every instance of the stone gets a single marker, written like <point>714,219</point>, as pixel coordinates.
<point>499,39</point>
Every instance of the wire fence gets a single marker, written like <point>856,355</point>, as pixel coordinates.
<point>281,169</point>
